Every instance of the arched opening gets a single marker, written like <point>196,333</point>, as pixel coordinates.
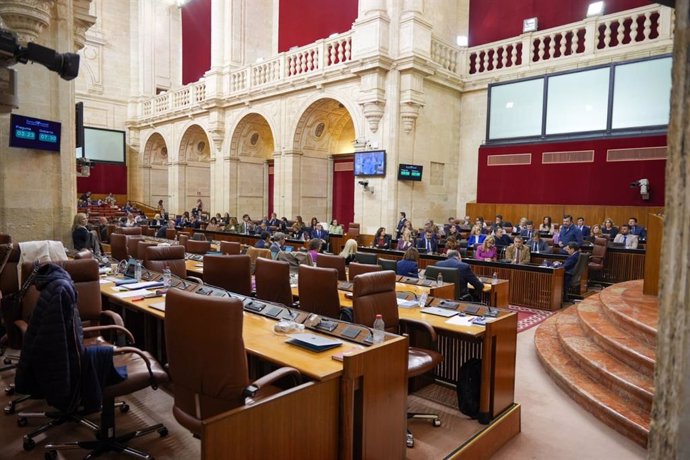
<point>253,144</point>
<point>195,173</point>
<point>156,171</point>
<point>325,133</point>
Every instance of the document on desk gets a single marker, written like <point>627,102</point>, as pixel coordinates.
<point>461,321</point>
<point>143,284</point>
<point>135,293</point>
<point>313,342</point>
<point>403,303</point>
<point>158,306</point>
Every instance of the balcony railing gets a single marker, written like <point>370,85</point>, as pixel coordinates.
<point>650,26</point>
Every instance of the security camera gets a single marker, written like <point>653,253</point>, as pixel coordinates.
<point>644,187</point>
<point>364,183</point>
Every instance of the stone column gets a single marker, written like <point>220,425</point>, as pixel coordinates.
<point>291,182</point>
<point>669,433</point>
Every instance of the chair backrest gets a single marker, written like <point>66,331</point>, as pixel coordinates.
<point>597,256</point>
<point>84,273</point>
<point>198,247</point>
<point>133,245</point>
<point>366,258</point>
<point>318,290</point>
<point>84,254</point>
<point>182,239</point>
<point>208,365</point>
<point>273,281</point>
<point>355,269</point>
<point>232,273</point>
<point>128,230</point>
<point>5,238</point>
<point>388,264</point>
<point>141,248</point>
<point>199,237</point>
<point>230,247</point>
<point>118,246</point>
<point>353,230</point>
<point>449,275</point>
<point>333,261</point>
<point>374,293</point>
<point>255,253</point>
<point>170,233</point>
<point>158,257</point>
<point>582,262</point>
<point>9,277</point>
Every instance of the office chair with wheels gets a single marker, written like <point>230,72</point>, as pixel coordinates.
<point>141,248</point>
<point>232,273</point>
<point>273,281</point>
<point>198,247</point>
<point>208,366</point>
<point>332,261</point>
<point>374,293</point>
<point>356,268</point>
<point>318,291</point>
<point>597,258</point>
<point>230,248</point>
<point>159,257</point>
<point>449,275</point>
<point>388,264</point>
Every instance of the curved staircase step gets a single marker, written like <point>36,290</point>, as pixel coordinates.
<point>615,374</point>
<point>631,420</point>
<point>611,337</point>
<point>632,310</point>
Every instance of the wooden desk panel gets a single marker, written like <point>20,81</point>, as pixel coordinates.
<point>623,265</point>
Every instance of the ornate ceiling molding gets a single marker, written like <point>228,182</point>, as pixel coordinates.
<point>28,18</point>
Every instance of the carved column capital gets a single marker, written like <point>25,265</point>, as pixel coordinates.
<point>409,111</point>
<point>28,18</point>
<point>373,112</point>
<point>82,22</point>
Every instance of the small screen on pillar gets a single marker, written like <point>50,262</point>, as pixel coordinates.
<point>371,163</point>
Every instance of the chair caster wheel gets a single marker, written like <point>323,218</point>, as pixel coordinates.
<point>28,444</point>
<point>50,455</point>
<point>7,361</point>
<point>409,441</point>
<point>9,410</point>
<point>9,390</point>
<point>163,432</point>
<point>436,423</point>
<point>22,421</point>
<point>124,408</point>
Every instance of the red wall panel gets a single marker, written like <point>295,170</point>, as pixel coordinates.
<point>196,40</point>
<point>344,191</point>
<point>597,183</point>
<point>304,21</point>
<point>492,20</point>
<point>104,178</point>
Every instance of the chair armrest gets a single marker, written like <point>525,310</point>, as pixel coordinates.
<point>423,325</point>
<point>138,352</point>
<point>111,327</point>
<point>271,378</point>
<point>195,279</point>
<point>22,325</point>
<point>111,317</point>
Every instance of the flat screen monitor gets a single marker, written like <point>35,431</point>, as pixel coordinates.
<point>410,172</point>
<point>34,133</point>
<point>106,145</point>
<point>371,163</point>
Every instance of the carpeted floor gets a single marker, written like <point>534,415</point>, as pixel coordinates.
<point>529,317</point>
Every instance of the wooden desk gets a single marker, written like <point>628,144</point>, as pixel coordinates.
<point>347,419</point>
<point>622,264</point>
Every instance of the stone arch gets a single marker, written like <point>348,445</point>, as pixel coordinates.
<point>252,137</point>
<point>156,164</point>
<point>155,150</point>
<point>195,145</point>
<point>325,127</point>
<point>194,167</point>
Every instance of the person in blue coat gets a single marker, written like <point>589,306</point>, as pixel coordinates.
<point>407,266</point>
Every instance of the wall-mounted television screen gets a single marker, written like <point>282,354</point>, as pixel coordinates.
<point>410,172</point>
<point>106,145</point>
<point>371,163</point>
<point>34,133</point>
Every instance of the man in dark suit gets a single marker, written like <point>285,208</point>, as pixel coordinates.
<point>321,234</point>
<point>528,230</point>
<point>536,244</point>
<point>585,230</point>
<point>636,229</point>
<point>427,244</point>
<point>573,251</point>
<point>569,233</point>
<point>401,225</point>
<point>465,273</point>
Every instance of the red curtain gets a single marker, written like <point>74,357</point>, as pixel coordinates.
<point>344,190</point>
<point>302,22</point>
<point>196,40</point>
<point>104,178</point>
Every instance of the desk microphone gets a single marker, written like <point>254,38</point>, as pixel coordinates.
<point>184,283</point>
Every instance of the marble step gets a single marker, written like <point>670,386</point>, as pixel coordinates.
<point>611,408</point>
<point>615,374</point>
<point>612,338</point>
<point>633,311</point>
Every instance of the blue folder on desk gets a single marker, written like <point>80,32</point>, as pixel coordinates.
<point>122,281</point>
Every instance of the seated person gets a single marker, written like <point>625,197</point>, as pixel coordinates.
<point>82,237</point>
<point>405,241</point>
<point>594,233</point>
<point>517,252</point>
<point>264,241</point>
<point>277,245</point>
<point>536,244</point>
<point>547,226</point>
<point>521,225</point>
<point>501,238</point>
<point>476,237</point>
<point>528,230</point>
<point>584,229</point>
<point>573,251</point>
<point>609,229</point>
<point>319,233</point>
<point>103,229</point>
<point>232,225</point>
<point>381,240</point>
<point>247,226</point>
<point>161,233</point>
<point>407,266</point>
<point>625,238</point>
<point>314,246</point>
<point>465,274</point>
<point>451,245</point>
<point>213,225</point>
<point>487,250</point>
<point>636,230</point>
<point>274,222</point>
<point>110,200</point>
<point>131,221</point>
<point>428,243</point>
<point>349,251</point>
<point>157,221</point>
<point>334,228</point>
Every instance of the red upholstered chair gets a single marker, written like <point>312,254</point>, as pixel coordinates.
<point>374,293</point>
<point>159,257</point>
<point>118,246</point>
<point>183,238</point>
<point>230,247</point>
<point>273,281</point>
<point>128,230</point>
<point>208,365</point>
<point>332,261</point>
<point>133,245</point>
<point>596,259</point>
<point>5,238</point>
<point>355,269</point>
<point>232,273</point>
<point>318,291</point>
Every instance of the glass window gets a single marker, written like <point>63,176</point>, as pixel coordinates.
<point>516,109</point>
<point>642,94</point>
<point>577,102</point>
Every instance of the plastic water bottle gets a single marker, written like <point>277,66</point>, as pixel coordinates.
<point>439,279</point>
<point>379,328</point>
<point>137,271</point>
<point>167,277</point>
<point>494,279</point>
<point>422,299</point>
